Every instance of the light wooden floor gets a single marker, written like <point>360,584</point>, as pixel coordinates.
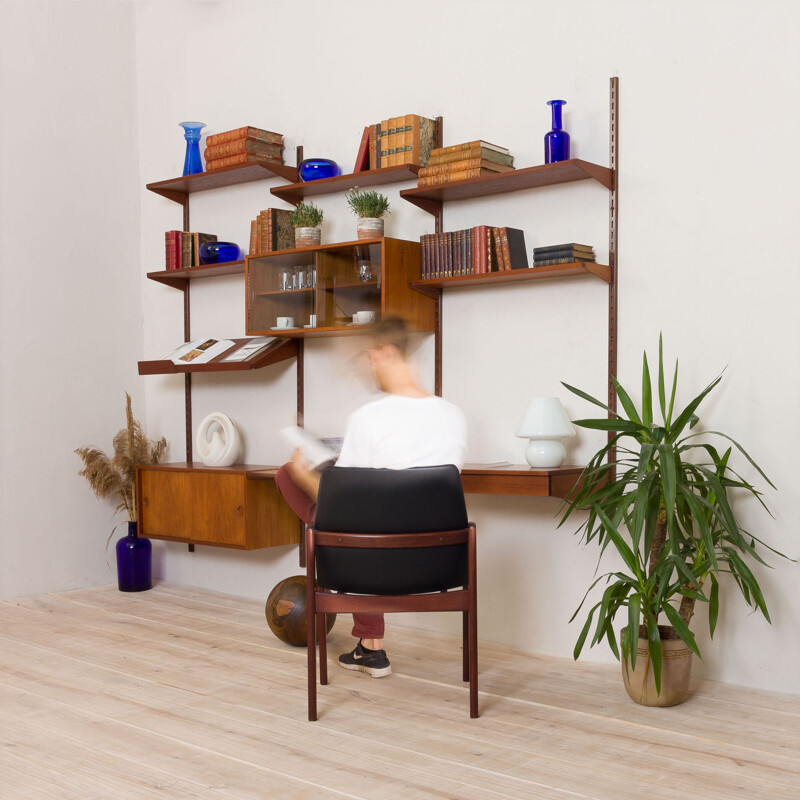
<point>182,693</point>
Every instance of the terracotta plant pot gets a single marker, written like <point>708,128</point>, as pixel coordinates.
<point>307,237</point>
<point>676,669</point>
<point>370,227</point>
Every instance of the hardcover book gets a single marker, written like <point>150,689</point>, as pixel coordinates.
<point>466,164</point>
<point>238,146</point>
<point>248,131</point>
<point>242,158</point>
<point>441,157</point>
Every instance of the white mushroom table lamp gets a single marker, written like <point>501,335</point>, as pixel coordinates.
<point>545,424</point>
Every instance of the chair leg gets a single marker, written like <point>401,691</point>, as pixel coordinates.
<point>473,622</point>
<point>311,640</point>
<point>322,634</point>
<point>465,645</point>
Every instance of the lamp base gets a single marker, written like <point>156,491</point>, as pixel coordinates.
<point>545,453</point>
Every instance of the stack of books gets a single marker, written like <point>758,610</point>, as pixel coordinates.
<point>472,251</point>
<point>562,254</point>
<point>468,160</point>
<point>409,139</point>
<point>271,230</point>
<point>242,146</point>
<point>183,248</point>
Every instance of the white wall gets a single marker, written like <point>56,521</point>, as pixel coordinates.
<point>71,297</point>
<point>709,122</point>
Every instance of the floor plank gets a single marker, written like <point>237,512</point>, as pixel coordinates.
<point>184,693</point>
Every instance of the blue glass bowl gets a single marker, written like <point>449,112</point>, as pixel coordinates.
<point>219,252</point>
<point>312,169</point>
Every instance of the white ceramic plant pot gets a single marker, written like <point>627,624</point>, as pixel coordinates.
<point>370,227</point>
<point>307,237</point>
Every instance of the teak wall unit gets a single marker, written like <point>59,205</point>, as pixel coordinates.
<point>391,293</point>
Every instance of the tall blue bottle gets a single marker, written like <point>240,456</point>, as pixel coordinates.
<point>192,163</point>
<point>134,562</point>
<point>556,141</point>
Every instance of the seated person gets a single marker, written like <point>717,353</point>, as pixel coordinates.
<point>405,427</point>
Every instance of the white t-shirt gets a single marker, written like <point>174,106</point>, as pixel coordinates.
<point>396,432</point>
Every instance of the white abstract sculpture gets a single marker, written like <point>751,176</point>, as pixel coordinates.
<point>218,441</point>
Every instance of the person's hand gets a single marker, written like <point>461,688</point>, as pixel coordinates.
<point>298,466</point>
<point>305,478</point>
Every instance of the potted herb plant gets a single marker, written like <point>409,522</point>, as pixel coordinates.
<point>658,494</point>
<point>307,219</point>
<point>115,476</point>
<point>370,208</point>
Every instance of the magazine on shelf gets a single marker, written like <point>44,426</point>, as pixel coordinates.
<point>249,349</point>
<point>199,351</point>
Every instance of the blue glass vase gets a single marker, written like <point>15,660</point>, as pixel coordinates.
<point>313,169</point>
<point>556,141</point>
<point>219,252</point>
<point>134,562</point>
<point>192,164</point>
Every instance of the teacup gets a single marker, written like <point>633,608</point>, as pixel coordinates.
<point>363,317</point>
<point>285,322</point>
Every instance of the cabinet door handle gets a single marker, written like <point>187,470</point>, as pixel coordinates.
<point>239,509</point>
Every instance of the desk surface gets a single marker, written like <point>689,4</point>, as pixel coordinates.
<point>509,479</point>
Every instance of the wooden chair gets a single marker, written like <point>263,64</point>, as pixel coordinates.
<point>388,541</point>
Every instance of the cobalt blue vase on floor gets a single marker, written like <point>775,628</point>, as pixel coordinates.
<point>556,141</point>
<point>192,163</point>
<point>134,562</point>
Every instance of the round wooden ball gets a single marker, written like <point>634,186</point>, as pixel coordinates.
<point>286,611</point>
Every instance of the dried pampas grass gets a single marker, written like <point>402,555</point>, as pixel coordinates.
<point>117,475</point>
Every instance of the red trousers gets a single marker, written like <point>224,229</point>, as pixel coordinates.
<point>365,626</point>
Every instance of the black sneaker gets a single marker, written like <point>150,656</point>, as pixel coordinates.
<point>374,662</point>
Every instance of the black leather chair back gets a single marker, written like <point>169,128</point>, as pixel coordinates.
<point>384,501</point>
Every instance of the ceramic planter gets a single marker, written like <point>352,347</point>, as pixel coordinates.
<point>370,227</point>
<point>307,237</point>
<point>676,669</point>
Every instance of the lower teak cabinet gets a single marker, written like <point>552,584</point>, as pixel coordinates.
<point>220,506</point>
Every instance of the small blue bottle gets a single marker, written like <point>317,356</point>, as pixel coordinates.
<point>134,562</point>
<point>556,141</point>
<point>192,163</point>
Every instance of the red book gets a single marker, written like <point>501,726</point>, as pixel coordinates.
<point>362,159</point>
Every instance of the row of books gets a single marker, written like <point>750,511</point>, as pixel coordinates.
<point>562,254</point>
<point>409,139</point>
<point>472,251</point>
<point>467,160</point>
<point>183,248</point>
<point>242,146</point>
<point>271,230</point>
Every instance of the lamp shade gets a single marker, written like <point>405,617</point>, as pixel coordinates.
<point>545,419</point>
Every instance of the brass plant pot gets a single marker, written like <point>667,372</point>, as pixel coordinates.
<point>676,669</point>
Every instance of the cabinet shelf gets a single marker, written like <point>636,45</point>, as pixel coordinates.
<point>430,198</point>
<point>178,278</point>
<point>177,189</point>
<point>535,273</point>
<point>279,350</point>
<point>295,192</point>
<point>283,292</point>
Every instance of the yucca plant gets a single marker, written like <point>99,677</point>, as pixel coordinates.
<point>659,494</point>
<point>116,475</point>
<point>368,204</point>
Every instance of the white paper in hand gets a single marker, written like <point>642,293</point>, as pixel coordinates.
<point>314,452</point>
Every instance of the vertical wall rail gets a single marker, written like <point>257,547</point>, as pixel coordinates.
<point>613,237</point>
<point>187,335</point>
<point>300,382</point>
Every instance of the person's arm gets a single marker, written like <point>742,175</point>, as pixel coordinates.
<point>307,479</point>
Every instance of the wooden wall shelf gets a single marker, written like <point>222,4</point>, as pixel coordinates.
<point>295,192</point>
<point>177,189</point>
<point>430,198</point>
<point>279,350</point>
<point>178,278</point>
<point>518,479</point>
<point>511,276</point>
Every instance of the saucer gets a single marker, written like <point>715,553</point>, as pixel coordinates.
<point>293,328</point>
<point>309,326</point>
